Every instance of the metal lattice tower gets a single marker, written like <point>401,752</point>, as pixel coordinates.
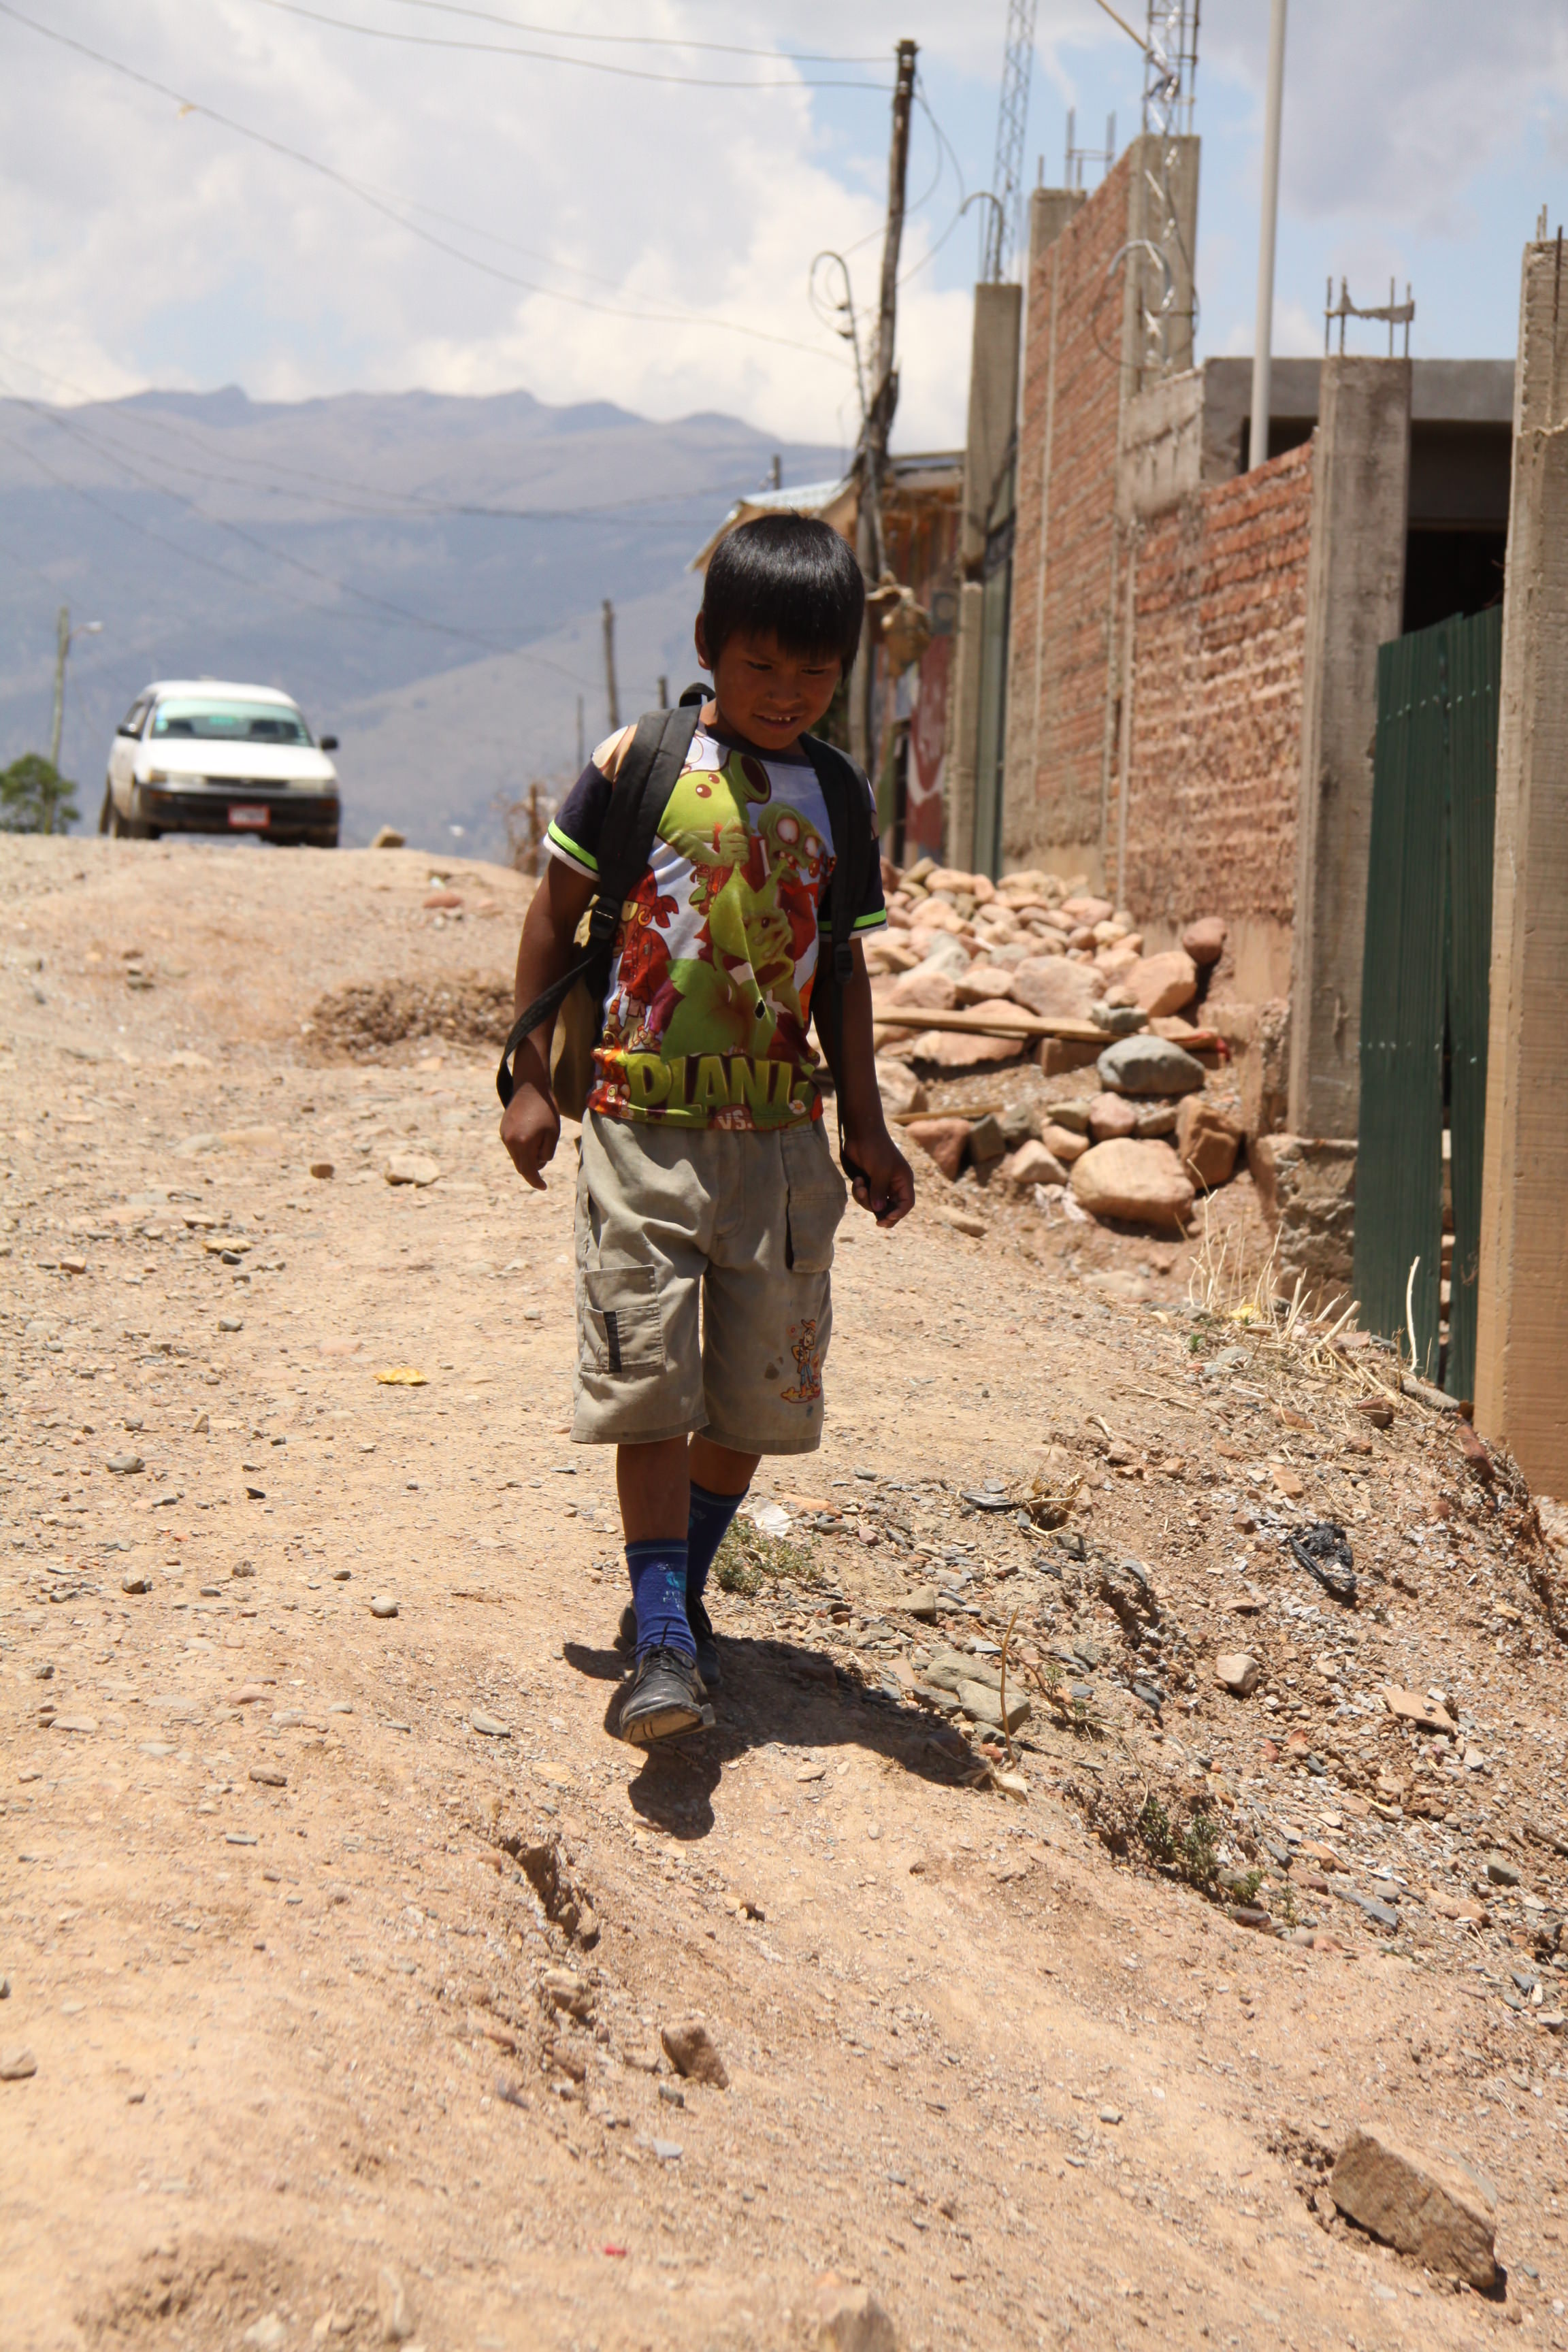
<point>1004,219</point>
<point>1170,67</point>
<point>1170,77</point>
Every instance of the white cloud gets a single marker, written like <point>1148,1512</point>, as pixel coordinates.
<point>142,246</point>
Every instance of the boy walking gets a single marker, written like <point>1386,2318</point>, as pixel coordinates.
<point>705,1174</point>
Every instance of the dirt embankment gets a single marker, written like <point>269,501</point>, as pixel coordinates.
<point>347,1952</point>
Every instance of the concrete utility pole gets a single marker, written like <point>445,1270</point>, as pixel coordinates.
<point>1267,230</point>
<point>1522,1307</point>
<point>65,637</point>
<point>612,700</point>
<point>870,545</point>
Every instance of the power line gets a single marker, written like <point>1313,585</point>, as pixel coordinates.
<point>551,57</point>
<point>642,40</point>
<point>389,211</point>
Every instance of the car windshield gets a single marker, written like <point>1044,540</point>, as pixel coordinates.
<point>211,721</point>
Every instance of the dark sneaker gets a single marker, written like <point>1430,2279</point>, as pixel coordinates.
<point>703,1633</point>
<point>666,1696</point>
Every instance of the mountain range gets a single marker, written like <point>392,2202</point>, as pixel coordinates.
<point>424,571</point>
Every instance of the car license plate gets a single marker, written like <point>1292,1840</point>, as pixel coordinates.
<point>250,820</point>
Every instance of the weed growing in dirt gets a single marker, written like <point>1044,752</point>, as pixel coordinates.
<point>1193,1853</point>
<point>747,1559</point>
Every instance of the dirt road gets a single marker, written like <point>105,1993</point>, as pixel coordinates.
<point>311,2061</point>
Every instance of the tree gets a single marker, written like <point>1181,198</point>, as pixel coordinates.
<point>34,797</point>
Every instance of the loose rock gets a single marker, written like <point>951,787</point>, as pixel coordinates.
<point>383,1605</point>
<point>691,2051</point>
<point>946,1139</point>
<point>1432,2205</point>
<point>1237,1672</point>
<point>16,2066</point>
<point>1204,941</point>
<point>1163,983</point>
<point>850,2319</point>
<point>412,1168</point>
<point>1149,1065</point>
<point>1055,990</point>
<point>1142,1183</point>
<point>900,1088</point>
<point>1110,1116</point>
<point>1207,1141</point>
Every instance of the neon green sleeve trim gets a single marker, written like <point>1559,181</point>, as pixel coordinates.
<point>875,921</point>
<point>564,841</point>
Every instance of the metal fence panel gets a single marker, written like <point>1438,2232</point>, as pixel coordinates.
<point>1425,985</point>
<point>1399,1158</point>
<point>1475,663</point>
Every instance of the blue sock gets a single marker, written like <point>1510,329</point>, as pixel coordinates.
<point>706,1527</point>
<point>658,1595</point>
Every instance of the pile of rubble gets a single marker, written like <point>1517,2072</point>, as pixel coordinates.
<point>1032,966</point>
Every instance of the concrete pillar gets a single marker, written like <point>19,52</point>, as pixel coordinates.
<point>1522,1345</point>
<point>993,408</point>
<point>1355,588</point>
<point>964,730</point>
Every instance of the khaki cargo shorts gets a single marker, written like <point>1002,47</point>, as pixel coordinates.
<point>745,1224</point>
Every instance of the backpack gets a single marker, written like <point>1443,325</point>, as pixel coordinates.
<point>648,775</point>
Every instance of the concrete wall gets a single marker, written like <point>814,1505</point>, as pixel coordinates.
<point>1521,1366</point>
<point>1354,591</point>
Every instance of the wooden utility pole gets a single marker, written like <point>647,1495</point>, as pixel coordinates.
<point>612,699</point>
<point>870,543</point>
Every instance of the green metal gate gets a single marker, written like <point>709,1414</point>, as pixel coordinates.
<point>1424,991</point>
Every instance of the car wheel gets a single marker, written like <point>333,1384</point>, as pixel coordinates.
<point>105,813</point>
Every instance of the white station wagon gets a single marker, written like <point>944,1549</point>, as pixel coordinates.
<point>198,755</point>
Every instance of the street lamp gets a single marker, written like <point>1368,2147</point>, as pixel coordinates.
<point>65,637</point>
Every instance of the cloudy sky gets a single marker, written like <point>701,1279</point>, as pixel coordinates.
<point>623,200</point>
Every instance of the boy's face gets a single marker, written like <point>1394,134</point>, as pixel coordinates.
<point>770,697</point>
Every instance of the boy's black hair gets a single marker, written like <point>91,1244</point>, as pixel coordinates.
<point>789,576</point>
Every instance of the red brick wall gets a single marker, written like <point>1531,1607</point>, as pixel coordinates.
<point>1056,669</point>
<point>1220,602</point>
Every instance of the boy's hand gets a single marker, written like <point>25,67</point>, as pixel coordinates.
<point>886,1184</point>
<point>531,1129</point>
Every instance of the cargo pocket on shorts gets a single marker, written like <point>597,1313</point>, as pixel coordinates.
<point>622,1329</point>
<point>816,1195</point>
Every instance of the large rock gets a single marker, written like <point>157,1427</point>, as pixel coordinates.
<point>941,952</point>
<point>692,2051</point>
<point>984,982</point>
<point>1237,1672</point>
<point>1149,1065</point>
<point>953,1049</point>
<point>1087,910</point>
<point>1431,2204</point>
<point>898,1088</point>
<point>927,989</point>
<point>946,1139</point>
<point>1204,941</point>
<point>1207,1141</point>
<point>1055,989</point>
<point>1143,1182</point>
<point>1110,1116</point>
<point>1162,983</point>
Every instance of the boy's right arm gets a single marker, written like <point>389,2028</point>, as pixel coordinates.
<point>530,1124</point>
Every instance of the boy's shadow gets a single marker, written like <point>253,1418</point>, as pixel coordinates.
<point>774,1694</point>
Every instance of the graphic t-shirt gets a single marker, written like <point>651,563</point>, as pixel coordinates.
<point>708,1011</point>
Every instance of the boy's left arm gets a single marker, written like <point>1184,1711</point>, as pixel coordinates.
<point>886,1185</point>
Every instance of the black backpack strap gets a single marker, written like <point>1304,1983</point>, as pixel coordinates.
<point>849,814</point>
<point>645,778</point>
